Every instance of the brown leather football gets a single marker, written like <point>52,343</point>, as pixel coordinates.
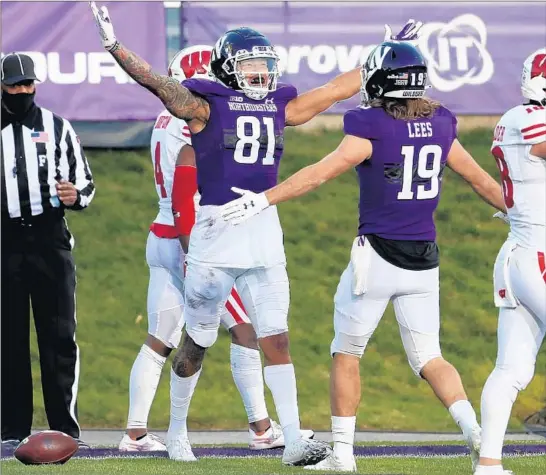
<point>46,447</point>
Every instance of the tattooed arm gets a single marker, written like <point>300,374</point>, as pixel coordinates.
<point>178,100</point>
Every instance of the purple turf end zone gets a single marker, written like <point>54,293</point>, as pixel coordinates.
<point>375,451</point>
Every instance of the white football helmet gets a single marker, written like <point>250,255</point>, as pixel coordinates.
<point>191,62</point>
<point>533,78</point>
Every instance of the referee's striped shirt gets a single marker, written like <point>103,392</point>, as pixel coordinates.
<point>38,152</point>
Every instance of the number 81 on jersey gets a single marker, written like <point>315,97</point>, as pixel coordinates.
<point>247,147</point>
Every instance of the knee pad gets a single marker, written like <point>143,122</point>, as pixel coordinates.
<point>353,345</point>
<point>166,326</point>
<point>266,296</point>
<point>519,376</point>
<point>418,362</point>
<point>424,348</point>
<point>272,328</point>
<point>203,333</point>
<point>205,298</point>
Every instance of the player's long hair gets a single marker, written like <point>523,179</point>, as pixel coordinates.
<point>407,109</point>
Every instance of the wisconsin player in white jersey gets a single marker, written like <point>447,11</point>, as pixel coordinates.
<point>519,147</point>
<point>176,186</point>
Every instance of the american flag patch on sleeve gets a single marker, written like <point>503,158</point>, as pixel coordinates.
<point>39,137</point>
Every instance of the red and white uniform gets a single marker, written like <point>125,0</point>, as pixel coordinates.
<point>164,253</point>
<point>520,268</point>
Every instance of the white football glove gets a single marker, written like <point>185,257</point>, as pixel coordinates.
<point>410,32</point>
<point>106,29</point>
<point>243,208</point>
<point>502,216</point>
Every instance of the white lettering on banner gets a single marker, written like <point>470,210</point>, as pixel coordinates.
<point>322,59</point>
<point>455,53</point>
<point>89,68</point>
<point>462,36</point>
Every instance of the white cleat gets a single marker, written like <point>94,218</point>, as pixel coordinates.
<point>488,470</point>
<point>149,443</point>
<point>272,438</point>
<point>179,449</point>
<point>334,464</point>
<point>474,441</point>
<point>305,452</point>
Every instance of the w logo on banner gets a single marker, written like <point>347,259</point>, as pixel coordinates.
<point>195,63</point>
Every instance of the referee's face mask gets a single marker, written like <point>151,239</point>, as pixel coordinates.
<point>19,98</point>
<point>18,89</point>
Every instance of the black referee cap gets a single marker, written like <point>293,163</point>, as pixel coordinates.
<point>16,68</point>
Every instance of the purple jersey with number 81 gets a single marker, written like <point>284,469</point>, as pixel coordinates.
<point>243,141</point>
<point>400,184</point>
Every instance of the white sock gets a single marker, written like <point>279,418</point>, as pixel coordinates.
<point>143,382</point>
<point>246,368</point>
<point>343,433</point>
<point>182,390</point>
<point>281,380</point>
<point>498,397</point>
<point>464,415</point>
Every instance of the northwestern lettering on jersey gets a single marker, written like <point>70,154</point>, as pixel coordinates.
<point>247,107</point>
<point>400,184</point>
<point>243,142</point>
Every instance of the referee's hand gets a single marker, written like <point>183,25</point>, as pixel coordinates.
<point>66,192</point>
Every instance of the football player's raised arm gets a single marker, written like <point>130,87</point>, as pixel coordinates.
<point>462,163</point>
<point>304,107</point>
<point>349,153</point>
<point>178,100</point>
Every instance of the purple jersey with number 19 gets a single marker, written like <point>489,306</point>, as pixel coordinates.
<point>400,183</point>
<point>242,143</point>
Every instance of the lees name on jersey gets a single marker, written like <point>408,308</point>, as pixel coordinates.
<point>419,129</point>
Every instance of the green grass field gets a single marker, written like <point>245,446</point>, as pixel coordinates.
<point>267,466</point>
<point>112,283</point>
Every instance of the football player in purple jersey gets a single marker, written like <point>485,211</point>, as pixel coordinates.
<point>237,123</point>
<point>399,142</point>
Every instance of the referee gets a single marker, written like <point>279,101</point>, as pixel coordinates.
<point>44,172</point>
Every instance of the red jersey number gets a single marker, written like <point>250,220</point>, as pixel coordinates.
<point>157,170</point>
<point>507,184</point>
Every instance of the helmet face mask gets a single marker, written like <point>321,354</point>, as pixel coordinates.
<point>245,60</point>
<point>393,69</point>
<point>533,77</point>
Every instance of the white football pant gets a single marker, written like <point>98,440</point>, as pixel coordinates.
<point>520,291</point>
<point>165,259</point>
<point>264,292</point>
<point>416,299</point>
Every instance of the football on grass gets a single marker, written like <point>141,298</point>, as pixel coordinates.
<point>48,446</point>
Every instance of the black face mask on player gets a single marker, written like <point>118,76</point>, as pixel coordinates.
<point>18,104</point>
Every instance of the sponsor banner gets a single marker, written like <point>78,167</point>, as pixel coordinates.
<point>475,51</point>
<point>80,80</point>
